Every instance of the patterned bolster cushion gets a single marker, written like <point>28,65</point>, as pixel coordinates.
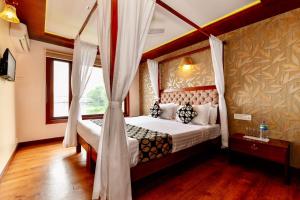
<point>152,144</point>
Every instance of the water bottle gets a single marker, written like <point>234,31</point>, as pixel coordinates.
<point>263,127</point>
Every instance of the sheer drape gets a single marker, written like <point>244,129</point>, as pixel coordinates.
<point>83,59</point>
<point>153,73</point>
<point>112,177</point>
<point>216,47</point>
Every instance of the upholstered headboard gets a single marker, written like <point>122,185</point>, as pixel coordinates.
<point>194,95</point>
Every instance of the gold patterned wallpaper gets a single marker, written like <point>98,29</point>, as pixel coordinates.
<point>262,76</point>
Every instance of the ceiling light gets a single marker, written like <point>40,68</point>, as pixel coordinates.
<point>9,14</point>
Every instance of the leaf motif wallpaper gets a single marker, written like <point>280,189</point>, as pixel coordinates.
<point>262,77</point>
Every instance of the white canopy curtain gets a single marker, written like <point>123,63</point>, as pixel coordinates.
<point>83,59</point>
<point>216,47</point>
<point>153,72</point>
<point>112,177</point>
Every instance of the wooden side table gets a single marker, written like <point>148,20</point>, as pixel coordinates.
<point>275,150</point>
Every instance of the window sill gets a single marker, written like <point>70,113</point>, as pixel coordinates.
<point>57,120</point>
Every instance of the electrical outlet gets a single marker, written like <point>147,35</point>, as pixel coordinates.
<point>243,117</point>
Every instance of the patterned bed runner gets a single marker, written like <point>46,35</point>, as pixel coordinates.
<point>152,144</point>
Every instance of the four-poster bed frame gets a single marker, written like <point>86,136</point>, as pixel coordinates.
<point>145,169</point>
<point>159,2</point>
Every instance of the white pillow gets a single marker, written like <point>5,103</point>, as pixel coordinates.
<point>168,111</point>
<point>213,114</point>
<point>203,114</point>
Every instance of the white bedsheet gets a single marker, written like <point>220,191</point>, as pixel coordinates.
<point>183,135</point>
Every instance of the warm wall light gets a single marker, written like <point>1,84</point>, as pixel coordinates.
<point>186,63</point>
<point>9,14</point>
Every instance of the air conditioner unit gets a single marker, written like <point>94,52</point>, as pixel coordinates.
<point>19,37</point>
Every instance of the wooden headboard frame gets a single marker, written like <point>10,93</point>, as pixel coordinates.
<point>190,90</point>
<point>206,87</point>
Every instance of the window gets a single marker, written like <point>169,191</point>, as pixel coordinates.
<point>93,102</point>
<point>61,73</point>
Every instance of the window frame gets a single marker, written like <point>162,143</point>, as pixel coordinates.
<point>50,119</point>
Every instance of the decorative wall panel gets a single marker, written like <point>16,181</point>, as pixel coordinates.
<point>262,73</point>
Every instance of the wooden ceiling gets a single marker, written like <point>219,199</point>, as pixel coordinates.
<point>32,13</point>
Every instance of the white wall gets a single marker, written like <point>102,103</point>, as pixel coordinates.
<point>7,105</point>
<point>31,95</point>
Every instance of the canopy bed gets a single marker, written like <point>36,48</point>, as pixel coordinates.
<point>124,25</point>
<point>187,139</point>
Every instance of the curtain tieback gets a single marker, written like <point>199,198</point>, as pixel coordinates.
<point>115,104</point>
<point>75,97</point>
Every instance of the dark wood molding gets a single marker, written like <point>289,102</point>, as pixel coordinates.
<point>32,13</point>
<point>8,162</point>
<point>177,14</point>
<point>259,12</point>
<point>38,142</point>
<point>180,16</point>
<point>174,45</point>
<point>185,54</point>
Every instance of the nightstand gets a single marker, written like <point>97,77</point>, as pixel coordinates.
<point>275,150</point>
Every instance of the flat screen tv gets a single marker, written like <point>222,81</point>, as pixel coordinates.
<point>8,66</point>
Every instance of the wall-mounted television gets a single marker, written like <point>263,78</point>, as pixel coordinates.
<point>8,66</point>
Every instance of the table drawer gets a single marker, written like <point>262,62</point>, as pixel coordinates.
<point>258,149</point>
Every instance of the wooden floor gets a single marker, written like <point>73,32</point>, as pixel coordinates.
<point>49,171</point>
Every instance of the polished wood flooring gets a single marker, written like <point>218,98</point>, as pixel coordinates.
<point>50,172</point>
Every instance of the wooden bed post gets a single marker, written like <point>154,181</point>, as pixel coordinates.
<point>78,147</point>
<point>88,158</point>
<point>90,163</point>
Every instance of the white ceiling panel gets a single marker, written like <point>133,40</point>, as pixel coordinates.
<point>65,17</point>
<point>90,33</point>
<point>203,12</point>
<point>172,25</point>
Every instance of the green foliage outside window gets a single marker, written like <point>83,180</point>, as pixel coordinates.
<point>96,100</point>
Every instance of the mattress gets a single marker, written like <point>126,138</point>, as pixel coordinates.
<point>90,132</point>
<point>183,135</point>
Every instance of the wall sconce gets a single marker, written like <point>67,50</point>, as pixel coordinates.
<point>9,13</point>
<point>186,63</point>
